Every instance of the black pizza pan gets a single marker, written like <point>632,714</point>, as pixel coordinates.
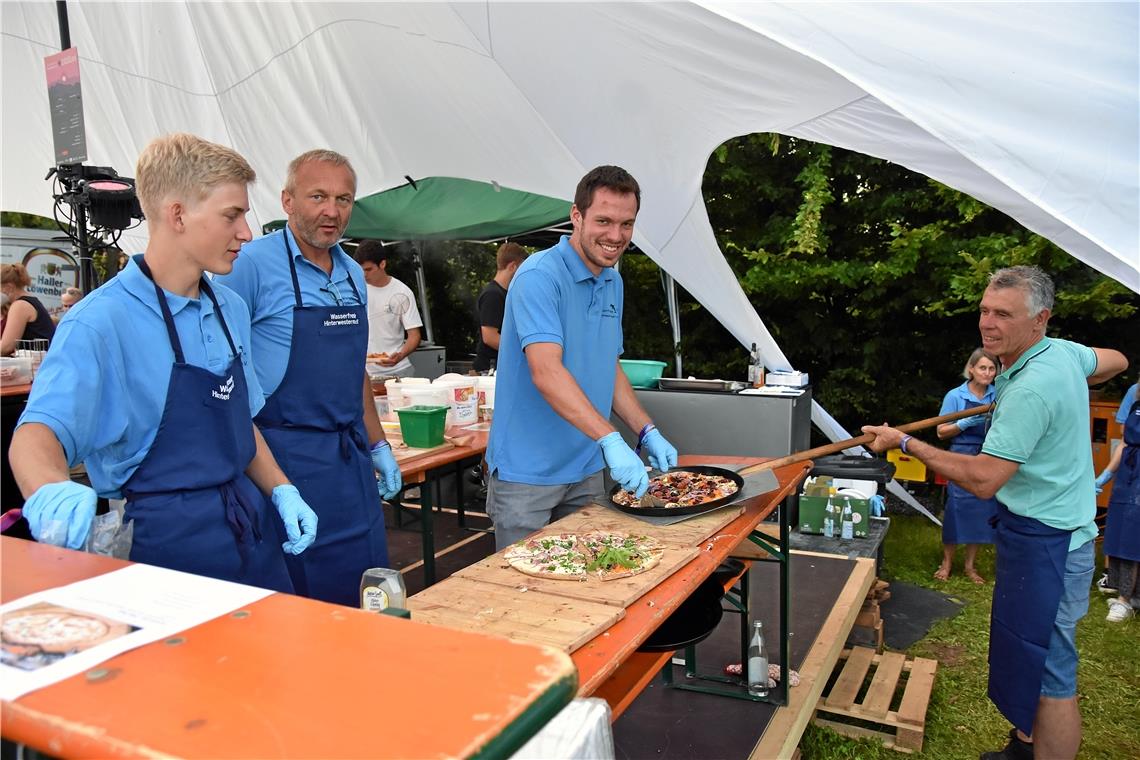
<point>690,510</point>
<point>692,622</point>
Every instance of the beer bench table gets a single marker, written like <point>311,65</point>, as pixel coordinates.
<point>424,471</point>
<point>289,677</point>
<point>603,638</point>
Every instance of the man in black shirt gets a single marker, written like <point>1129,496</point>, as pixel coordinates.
<point>492,303</point>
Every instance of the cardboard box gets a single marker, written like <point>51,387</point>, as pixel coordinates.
<point>812,510</point>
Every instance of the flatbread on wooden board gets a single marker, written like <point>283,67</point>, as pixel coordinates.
<point>569,556</point>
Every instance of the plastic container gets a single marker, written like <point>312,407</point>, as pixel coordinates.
<point>423,395</point>
<point>422,425</point>
<point>15,370</point>
<point>461,398</point>
<point>642,373</point>
<point>485,392</point>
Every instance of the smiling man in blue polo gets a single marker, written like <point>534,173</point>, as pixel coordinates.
<point>558,373</point>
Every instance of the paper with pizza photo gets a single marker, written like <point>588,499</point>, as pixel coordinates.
<point>41,634</point>
<point>54,634</point>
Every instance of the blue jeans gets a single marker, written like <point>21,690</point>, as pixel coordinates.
<point>1060,678</point>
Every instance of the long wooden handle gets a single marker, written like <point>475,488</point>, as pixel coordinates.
<point>834,448</point>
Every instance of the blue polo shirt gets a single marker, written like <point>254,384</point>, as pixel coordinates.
<point>261,277</point>
<point>1126,405</point>
<point>961,398</point>
<point>1042,422</point>
<point>554,298</point>
<point>102,386</point>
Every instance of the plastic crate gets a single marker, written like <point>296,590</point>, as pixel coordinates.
<point>907,467</point>
<point>422,426</point>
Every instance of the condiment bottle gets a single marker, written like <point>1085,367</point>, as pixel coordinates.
<point>380,588</point>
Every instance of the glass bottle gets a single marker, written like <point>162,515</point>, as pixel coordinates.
<point>754,367</point>
<point>381,588</point>
<point>847,523</point>
<point>829,519</point>
<point>757,662</point>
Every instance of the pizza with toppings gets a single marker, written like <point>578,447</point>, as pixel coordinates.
<point>580,556</point>
<point>680,488</point>
<point>49,628</point>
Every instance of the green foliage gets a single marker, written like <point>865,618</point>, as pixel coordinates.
<point>868,275</point>
<point>26,221</point>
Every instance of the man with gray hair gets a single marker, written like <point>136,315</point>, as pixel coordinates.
<point>1037,460</point>
<point>308,305</point>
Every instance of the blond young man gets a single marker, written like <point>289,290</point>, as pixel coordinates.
<point>150,382</point>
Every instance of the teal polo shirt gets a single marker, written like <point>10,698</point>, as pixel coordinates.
<point>1042,422</point>
<point>261,277</point>
<point>554,298</point>
<point>102,386</point>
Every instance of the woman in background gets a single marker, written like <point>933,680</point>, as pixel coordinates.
<point>1122,526</point>
<point>27,318</point>
<point>967,518</point>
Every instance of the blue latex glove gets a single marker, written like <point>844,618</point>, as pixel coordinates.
<point>625,466</point>
<point>1103,478</point>
<point>662,455</point>
<point>385,463</point>
<point>63,503</point>
<point>877,503</point>
<point>969,422</point>
<point>299,518</point>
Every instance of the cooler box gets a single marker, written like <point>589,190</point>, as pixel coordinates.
<point>907,467</point>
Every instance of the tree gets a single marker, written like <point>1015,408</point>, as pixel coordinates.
<point>868,275</point>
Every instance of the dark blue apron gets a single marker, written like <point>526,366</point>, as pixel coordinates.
<point>1122,527</point>
<point>1030,579</point>
<point>968,519</point>
<point>194,509</point>
<point>314,424</point>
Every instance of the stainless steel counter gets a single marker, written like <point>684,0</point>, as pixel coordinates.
<point>730,424</point>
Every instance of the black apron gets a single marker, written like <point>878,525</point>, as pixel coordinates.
<point>314,424</point>
<point>194,509</point>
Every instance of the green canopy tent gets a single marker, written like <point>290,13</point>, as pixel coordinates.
<point>449,208</point>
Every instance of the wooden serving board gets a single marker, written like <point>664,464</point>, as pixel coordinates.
<point>404,453</point>
<point>683,534</point>
<point>501,611</point>
<point>620,592</point>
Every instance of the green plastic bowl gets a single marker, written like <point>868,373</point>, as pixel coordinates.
<point>642,373</point>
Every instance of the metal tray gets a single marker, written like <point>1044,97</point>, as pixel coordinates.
<point>682,511</point>
<point>690,384</point>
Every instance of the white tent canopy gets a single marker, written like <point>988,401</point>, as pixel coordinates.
<point>1031,108</point>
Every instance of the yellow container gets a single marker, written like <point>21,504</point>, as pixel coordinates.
<point>906,466</point>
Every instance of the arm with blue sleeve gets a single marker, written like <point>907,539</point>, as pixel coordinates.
<point>40,468</point>
<point>951,403</point>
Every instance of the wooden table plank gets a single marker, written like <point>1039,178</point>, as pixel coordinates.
<point>528,615</point>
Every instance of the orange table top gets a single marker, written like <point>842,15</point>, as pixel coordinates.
<point>601,657</point>
<point>469,444</point>
<point>15,390</point>
<point>290,677</point>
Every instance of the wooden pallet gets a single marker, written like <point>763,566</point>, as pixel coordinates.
<point>901,729</point>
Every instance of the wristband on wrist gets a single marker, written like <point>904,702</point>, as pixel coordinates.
<point>381,444</point>
<point>902,443</point>
<point>641,436</point>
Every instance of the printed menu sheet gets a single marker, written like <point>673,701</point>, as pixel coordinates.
<point>52,635</point>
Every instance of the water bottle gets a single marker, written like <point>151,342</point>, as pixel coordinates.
<point>754,367</point>
<point>829,519</point>
<point>757,662</point>
<point>847,525</point>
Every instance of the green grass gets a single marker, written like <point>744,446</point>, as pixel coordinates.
<point>961,722</point>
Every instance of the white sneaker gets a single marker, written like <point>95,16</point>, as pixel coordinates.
<point>1103,587</point>
<point>1118,611</point>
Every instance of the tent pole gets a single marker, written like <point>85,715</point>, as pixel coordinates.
<point>421,287</point>
<point>674,319</point>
